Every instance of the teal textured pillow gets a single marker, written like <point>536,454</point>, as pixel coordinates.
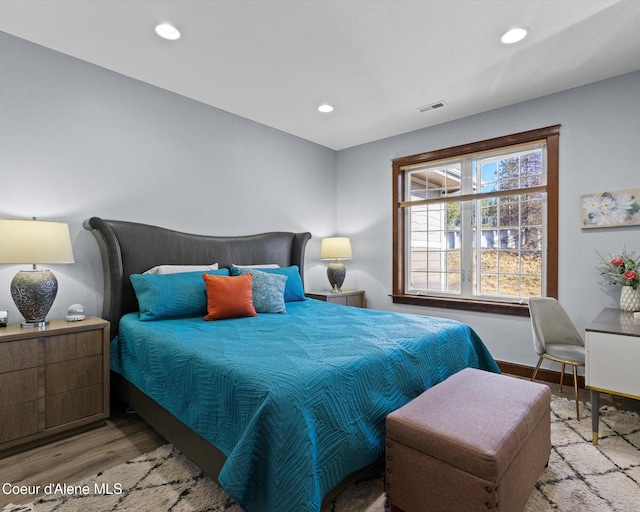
<point>294,290</point>
<point>172,295</point>
<point>267,289</point>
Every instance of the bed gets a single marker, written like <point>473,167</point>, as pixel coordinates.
<point>285,409</point>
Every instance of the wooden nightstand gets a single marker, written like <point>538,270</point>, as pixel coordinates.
<point>52,380</point>
<point>346,297</point>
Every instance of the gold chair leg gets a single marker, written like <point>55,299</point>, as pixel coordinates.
<point>561,377</point>
<point>575,389</point>
<point>535,372</point>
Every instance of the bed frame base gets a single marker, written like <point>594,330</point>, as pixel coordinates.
<point>196,447</point>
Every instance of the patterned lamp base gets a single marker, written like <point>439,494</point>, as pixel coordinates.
<point>33,292</point>
<point>336,272</point>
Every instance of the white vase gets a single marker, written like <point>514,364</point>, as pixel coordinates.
<point>629,299</point>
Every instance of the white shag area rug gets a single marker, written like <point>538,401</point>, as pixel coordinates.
<point>580,477</point>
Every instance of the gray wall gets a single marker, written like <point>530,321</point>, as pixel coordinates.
<point>599,151</point>
<point>78,141</point>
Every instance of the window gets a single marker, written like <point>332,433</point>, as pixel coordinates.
<point>475,226</point>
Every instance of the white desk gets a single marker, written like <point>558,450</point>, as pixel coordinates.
<point>612,346</point>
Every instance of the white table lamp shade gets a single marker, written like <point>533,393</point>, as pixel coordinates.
<point>34,241</point>
<point>335,248</point>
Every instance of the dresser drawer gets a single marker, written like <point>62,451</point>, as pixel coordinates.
<point>18,387</point>
<point>73,405</point>
<point>17,355</point>
<point>18,421</point>
<point>73,374</point>
<point>72,346</point>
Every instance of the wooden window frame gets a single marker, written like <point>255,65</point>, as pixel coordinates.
<point>551,136</point>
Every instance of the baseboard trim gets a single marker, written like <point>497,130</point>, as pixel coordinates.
<point>543,374</point>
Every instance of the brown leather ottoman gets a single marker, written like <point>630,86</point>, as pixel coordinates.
<point>476,441</point>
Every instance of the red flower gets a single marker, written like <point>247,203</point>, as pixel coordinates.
<point>618,262</point>
<point>630,275</point>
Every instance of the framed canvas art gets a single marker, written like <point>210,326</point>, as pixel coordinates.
<point>611,209</point>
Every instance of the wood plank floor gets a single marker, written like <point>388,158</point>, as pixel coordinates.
<point>123,437</point>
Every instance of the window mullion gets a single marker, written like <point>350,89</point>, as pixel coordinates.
<point>467,231</point>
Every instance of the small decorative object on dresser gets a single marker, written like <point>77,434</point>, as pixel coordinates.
<point>345,297</point>
<point>53,380</point>
<point>629,299</point>
<point>75,313</point>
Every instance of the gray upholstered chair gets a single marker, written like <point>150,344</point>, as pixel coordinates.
<point>556,338</point>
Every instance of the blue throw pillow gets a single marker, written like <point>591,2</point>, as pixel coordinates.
<point>294,290</point>
<point>267,290</point>
<point>172,295</point>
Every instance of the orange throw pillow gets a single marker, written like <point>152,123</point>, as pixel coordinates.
<point>228,296</point>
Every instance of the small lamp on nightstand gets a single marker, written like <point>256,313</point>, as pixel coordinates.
<point>336,249</point>
<point>34,242</point>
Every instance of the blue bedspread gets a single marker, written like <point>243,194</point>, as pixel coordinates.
<point>295,401</point>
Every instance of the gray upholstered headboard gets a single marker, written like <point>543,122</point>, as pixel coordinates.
<point>131,248</point>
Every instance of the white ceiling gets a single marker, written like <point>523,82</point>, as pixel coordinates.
<point>376,61</point>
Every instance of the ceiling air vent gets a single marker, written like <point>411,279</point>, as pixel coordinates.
<point>432,106</point>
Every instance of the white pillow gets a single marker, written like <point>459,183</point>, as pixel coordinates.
<point>176,269</point>
<point>264,265</point>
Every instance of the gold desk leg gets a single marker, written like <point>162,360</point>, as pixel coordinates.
<point>595,414</point>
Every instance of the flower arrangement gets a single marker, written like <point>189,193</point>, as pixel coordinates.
<point>621,269</point>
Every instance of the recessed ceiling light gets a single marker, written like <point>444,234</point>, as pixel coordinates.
<point>325,108</point>
<point>167,31</point>
<point>514,35</point>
